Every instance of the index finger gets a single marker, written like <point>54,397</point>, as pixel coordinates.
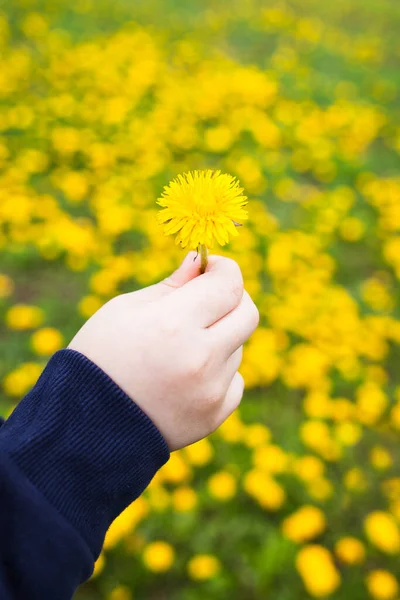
<point>212,295</point>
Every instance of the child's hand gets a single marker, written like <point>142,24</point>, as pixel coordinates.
<point>175,347</point>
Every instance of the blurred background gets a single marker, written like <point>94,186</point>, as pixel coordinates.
<point>102,102</point>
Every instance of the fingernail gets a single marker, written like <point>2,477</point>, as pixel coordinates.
<point>188,258</point>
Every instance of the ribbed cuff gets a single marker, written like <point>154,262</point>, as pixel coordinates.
<point>84,444</point>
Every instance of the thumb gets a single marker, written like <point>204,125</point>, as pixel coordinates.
<point>188,270</point>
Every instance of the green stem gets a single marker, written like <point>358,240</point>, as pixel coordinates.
<point>204,261</point>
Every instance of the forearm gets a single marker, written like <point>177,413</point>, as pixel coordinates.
<point>74,453</point>
<point>41,554</point>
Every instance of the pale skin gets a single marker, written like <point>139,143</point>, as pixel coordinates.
<point>175,347</point>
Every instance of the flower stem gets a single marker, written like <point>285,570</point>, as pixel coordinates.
<point>204,261</point>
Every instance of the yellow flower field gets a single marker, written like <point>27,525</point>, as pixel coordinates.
<point>102,104</point>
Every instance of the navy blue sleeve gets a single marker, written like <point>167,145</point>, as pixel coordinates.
<point>74,454</point>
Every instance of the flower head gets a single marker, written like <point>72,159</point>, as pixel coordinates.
<point>350,550</point>
<point>317,570</point>
<point>159,556</point>
<point>382,585</point>
<point>201,206</point>
<point>203,566</point>
<point>305,524</point>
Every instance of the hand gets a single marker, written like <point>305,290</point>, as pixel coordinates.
<point>175,347</point>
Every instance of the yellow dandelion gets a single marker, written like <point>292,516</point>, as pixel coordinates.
<point>200,207</point>
<point>159,556</point>
<point>203,566</point>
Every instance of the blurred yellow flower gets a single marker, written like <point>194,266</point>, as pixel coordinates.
<point>201,206</point>
<point>176,470</point>
<point>395,416</point>
<point>317,436</point>
<point>232,430</point>
<point>342,410</point>
<point>317,405</point>
<point>382,585</point>
<point>184,499</point>
<point>222,486</point>
<point>308,468</point>
<point>158,497</point>
<point>126,522</point>
<point>380,458</point>
<point>271,459</point>
<point>376,295</point>
<point>383,531</point>
<point>46,341</point>
<point>203,566</point>
<point>200,453</point>
<point>355,480</point>
<point>350,550</point>
<point>66,140</point>
<point>121,592</point>
<point>305,524</point>
<point>24,316</point>
<point>371,403</point>
<point>104,282</point>
<point>264,489</point>
<point>158,556</point>
<point>320,489</point>
<point>6,286</point>
<point>99,565</point>
<point>256,435</point>
<point>315,433</point>
<point>34,25</point>
<point>19,382</point>
<point>352,229</point>
<point>317,570</point>
<point>348,433</point>
<point>88,305</point>
<point>391,488</point>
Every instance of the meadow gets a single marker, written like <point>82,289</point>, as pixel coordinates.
<point>102,103</point>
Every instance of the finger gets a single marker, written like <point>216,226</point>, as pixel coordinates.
<point>235,328</point>
<point>232,399</point>
<point>207,298</point>
<point>232,365</point>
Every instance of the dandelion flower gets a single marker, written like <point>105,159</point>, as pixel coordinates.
<point>202,206</point>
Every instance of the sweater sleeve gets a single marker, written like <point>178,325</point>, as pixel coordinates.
<point>74,454</point>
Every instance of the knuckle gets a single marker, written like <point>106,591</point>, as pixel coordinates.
<point>213,423</point>
<point>170,328</point>
<point>167,324</point>
<point>196,366</point>
<point>234,290</point>
<point>209,401</point>
<point>215,393</point>
<point>235,279</point>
